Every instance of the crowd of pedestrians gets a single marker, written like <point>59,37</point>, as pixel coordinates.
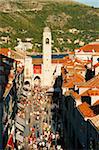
<point>41,135</point>
<point>36,111</point>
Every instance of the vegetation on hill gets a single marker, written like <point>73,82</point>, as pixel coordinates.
<point>72,24</point>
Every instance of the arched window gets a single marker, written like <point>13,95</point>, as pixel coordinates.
<point>47,40</point>
<point>26,83</point>
<point>37,81</point>
<point>37,77</point>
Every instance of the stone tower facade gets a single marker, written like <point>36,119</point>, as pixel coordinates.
<point>47,66</point>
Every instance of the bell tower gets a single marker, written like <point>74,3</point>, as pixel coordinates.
<point>47,73</point>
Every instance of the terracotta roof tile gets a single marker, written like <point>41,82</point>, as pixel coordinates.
<point>93,92</point>
<point>75,94</point>
<point>78,60</point>
<point>89,92</point>
<point>13,55</point>
<point>90,47</point>
<point>73,66</point>
<point>73,80</point>
<point>94,82</point>
<point>4,51</point>
<point>68,84</point>
<point>79,77</point>
<point>85,109</point>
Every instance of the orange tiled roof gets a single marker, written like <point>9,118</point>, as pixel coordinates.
<point>82,62</point>
<point>74,66</point>
<point>13,55</point>
<point>72,53</point>
<point>93,92</point>
<point>75,94</point>
<point>94,82</point>
<point>90,93</point>
<point>73,80</point>
<point>68,84</point>
<point>79,66</point>
<point>79,69</point>
<point>68,63</point>
<point>85,109</point>
<point>84,94</point>
<point>90,47</point>
<point>78,60</point>
<point>4,51</point>
<point>79,77</point>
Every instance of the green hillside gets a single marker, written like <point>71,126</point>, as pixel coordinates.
<point>27,20</point>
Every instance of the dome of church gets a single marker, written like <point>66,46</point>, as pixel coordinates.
<point>47,29</point>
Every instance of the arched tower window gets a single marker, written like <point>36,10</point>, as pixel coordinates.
<point>47,41</point>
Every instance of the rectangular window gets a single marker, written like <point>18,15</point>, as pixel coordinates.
<point>37,69</point>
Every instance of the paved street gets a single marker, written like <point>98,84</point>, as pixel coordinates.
<point>41,122</point>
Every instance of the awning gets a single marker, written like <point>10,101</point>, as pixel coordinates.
<point>19,137</point>
<point>20,127</point>
<point>20,121</point>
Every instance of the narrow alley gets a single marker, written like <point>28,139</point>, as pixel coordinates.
<point>41,120</point>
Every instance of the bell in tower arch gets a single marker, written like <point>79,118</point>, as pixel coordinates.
<point>47,41</point>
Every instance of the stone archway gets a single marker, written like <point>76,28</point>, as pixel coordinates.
<point>37,81</point>
<point>27,83</point>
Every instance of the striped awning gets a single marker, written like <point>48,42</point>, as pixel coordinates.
<point>20,121</point>
<point>20,127</point>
